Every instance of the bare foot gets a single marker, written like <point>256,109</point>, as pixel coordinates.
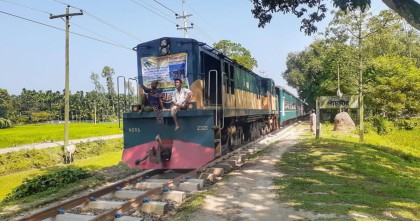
<point>176,128</point>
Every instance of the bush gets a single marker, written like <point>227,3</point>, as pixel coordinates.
<point>19,120</point>
<point>405,124</point>
<point>382,125</point>
<point>41,183</point>
<point>5,123</point>
<point>40,116</point>
<point>28,159</point>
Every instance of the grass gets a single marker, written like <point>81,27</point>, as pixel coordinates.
<point>191,205</point>
<point>401,142</point>
<point>98,165</point>
<point>19,161</point>
<point>38,133</point>
<point>336,174</point>
<point>11,181</point>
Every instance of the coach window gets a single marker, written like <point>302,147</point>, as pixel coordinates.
<point>232,79</point>
<point>226,71</point>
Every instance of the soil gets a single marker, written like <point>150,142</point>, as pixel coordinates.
<point>249,192</point>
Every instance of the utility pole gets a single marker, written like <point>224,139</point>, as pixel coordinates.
<point>184,16</point>
<point>361,129</point>
<point>66,90</point>
<point>94,103</point>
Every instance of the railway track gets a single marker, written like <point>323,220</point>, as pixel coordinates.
<point>139,196</point>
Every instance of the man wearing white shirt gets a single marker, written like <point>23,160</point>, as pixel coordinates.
<point>180,100</point>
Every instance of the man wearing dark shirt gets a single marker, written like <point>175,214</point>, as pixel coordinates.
<point>154,98</point>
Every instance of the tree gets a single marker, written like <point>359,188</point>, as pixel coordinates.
<point>237,53</point>
<point>394,87</point>
<point>263,10</point>
<point>108,73</point>
<point>391,73</point>
<point>99,96</point>
<point>5,103</point>
<point>313,72</point>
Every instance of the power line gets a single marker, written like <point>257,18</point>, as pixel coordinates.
<point>50,26</point>
<point>195,12</point>
<point>155,12</point>
<point>49,13</point>
<point>200,30</point>
<point>28,7</point>
<point>101,20</point>
<point>156,8</point>
<point>96,33</point>
<point>203,33</point>
<point>176,13</point>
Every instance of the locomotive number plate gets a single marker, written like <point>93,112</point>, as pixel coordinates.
<point>202,127</point>
<point>134,130</point>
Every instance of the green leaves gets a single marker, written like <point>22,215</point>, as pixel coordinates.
<point>236,52</point>
<point>394,87</point>
<point>41,183</point>
<point>389,50</point>
<point>314,11</point>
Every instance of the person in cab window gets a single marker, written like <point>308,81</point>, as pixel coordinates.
<point>154,98</point>
<point>180,100</point>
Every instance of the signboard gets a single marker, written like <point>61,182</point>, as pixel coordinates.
<point>334,102</point>
<point>165,69</point>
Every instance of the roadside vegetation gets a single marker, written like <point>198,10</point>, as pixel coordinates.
<point>378,179</point>
<point>95,163</point>
<point>38,133</point>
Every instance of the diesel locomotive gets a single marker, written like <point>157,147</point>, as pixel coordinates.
<point>230,105</point>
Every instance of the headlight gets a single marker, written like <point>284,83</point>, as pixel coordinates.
<point>164,47</point>
<point>163,43</point>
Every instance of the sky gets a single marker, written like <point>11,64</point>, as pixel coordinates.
<point>32,55</point>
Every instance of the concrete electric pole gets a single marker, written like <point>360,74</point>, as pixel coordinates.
<point>184,16</point>
<point>66,90</point>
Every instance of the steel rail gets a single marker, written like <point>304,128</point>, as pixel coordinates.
<point>135,202</point>
<point>68,204</point>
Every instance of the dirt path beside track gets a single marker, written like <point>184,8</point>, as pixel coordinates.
<point>249,193</point>
<point>38,146</point>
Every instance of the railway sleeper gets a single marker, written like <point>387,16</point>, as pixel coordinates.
<point>177,194</point>
<point>191,185</point>
<point>216,171</point>
<point>154,207</point>
<point>227,167</point>
<point>78,217</point>
<point>174,195</point>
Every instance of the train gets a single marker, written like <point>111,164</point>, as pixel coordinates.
<point>230,105</point>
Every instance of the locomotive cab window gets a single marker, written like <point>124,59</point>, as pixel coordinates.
<point>210,66</point>
<point>230,78</point>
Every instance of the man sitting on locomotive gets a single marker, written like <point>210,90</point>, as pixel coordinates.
<point>154,98</point>
<point>180,100</point>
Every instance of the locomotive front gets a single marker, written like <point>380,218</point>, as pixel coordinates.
<point>150,140</point>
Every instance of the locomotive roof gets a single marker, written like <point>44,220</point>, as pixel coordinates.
<point>204,46</point>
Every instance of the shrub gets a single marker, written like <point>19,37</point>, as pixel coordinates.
<point>405,124</point>
<point>5,123</point>
<point>20,119</point>
<point>41,183</point>
<point>27,159</point>
<point>382,125</point>
<point>40,116</point>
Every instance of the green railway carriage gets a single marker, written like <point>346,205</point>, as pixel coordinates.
<point>230,105</point>
<point>290,107</point>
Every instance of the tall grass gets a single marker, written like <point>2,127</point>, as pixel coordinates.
<point>401,142</point>
<point>38,133</point>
